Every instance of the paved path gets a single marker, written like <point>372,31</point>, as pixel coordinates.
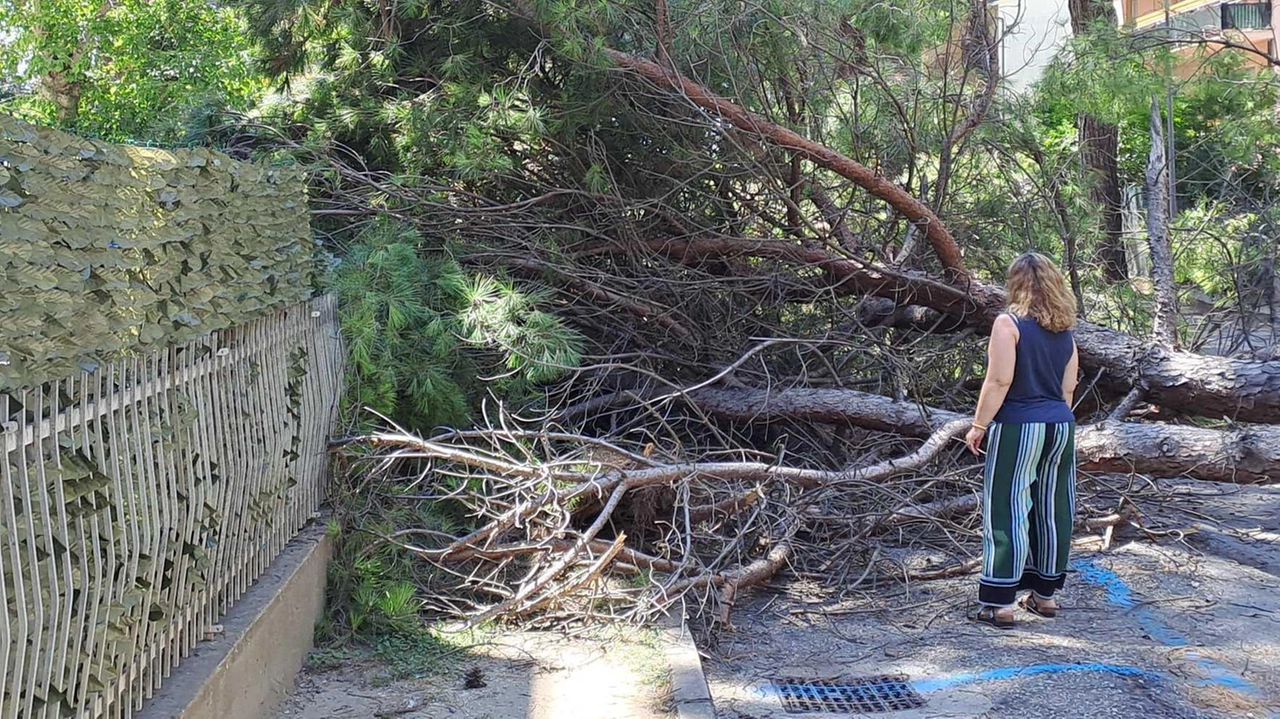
<point>1176,630</point>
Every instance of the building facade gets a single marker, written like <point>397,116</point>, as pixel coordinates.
<point>1204,27</point>
<point>1032,31</point>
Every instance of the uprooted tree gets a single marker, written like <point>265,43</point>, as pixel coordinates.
<point>751,248</point>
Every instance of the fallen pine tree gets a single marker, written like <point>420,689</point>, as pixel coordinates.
<point>702,206</point>
<point>1242,390</point>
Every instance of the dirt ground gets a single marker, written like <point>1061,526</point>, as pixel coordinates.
<point>618,674</point>
<point>1184,628</point>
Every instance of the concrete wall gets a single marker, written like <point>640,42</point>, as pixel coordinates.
<point>246,671</point>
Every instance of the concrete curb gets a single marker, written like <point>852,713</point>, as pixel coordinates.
<point>248,669</point>
<point>689,687</point>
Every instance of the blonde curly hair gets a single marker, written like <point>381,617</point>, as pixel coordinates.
<point>1037,289</point>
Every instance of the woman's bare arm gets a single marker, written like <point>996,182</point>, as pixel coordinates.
<point>1071,376</point>
<point>1002,353</point>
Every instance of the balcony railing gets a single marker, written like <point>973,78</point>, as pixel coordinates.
<point>1246,15</point>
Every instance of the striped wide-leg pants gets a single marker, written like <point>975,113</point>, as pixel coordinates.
<point>1028,510</point>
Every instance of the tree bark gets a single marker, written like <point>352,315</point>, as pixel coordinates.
<point>1165,310</point>
<point>1273,297</point>
<point>1243,455</point>
<point>1099,143</point>
<point>1098,147</point>
<point>65,96</point>
<point>1240,455</point>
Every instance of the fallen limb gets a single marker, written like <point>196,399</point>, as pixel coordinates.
<point>944,245</point>
<point>931,511</point>
<point>758,572</point>
<point>955,570</point>
<point>1238,454</point>
<point>528,515</point>
<point>1243,390</point>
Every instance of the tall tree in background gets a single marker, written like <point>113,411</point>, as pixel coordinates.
<point>125,69</point>
<point>1158,232</point>
<point>1099,142</point>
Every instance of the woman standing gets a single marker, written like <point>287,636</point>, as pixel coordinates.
<point>1024,414</point>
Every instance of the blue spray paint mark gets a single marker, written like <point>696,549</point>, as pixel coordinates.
<point>940,683</point>
<point>1119,594</point>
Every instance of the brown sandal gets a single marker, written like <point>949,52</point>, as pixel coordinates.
<point>987,615</point>
<point>1031,604</point>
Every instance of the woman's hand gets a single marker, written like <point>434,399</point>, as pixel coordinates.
<point>973,440</point>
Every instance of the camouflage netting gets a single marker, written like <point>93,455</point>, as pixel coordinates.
<point>107,249</point>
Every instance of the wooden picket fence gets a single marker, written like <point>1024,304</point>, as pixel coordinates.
<point>140,500</point>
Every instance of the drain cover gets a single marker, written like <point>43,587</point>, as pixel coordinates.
<point>867,695</point>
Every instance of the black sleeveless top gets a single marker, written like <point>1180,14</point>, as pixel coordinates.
<point>1036,392</point>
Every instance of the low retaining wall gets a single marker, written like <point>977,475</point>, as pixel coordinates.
<point>247,670</point>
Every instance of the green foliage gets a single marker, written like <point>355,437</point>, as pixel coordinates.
<point>397,311</point>
<point>376,588</point>
<point>421,332</point>
<point>127,70</point>
<point>415,654</point>
<point>1100,73</point>
<point>370,588</point>
<point>1223,115</point>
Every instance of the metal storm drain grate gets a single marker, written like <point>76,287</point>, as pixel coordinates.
<point>868,695</point>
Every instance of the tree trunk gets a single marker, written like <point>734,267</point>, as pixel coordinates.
<point>65,96</point>
<point>1238,455</point>
<point>1099,143</point>
<point>1098,147</point>
<point>1244,455</point>
<point>1273,296</point>
<point>1166,310</point>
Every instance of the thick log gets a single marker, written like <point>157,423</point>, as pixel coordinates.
<point>1243,455</point>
